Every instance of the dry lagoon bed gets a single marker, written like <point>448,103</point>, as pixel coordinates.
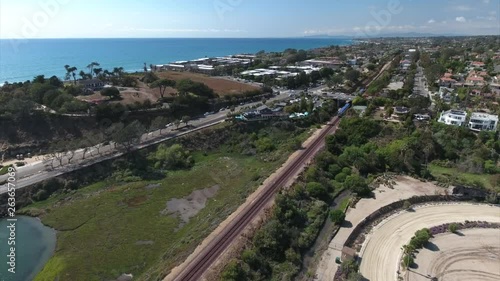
<point>472,254</point>
<point>381,252</point>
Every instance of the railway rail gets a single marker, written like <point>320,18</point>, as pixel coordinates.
<point>196,269</point>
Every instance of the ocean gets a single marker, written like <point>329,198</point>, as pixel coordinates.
<point>21,60</point>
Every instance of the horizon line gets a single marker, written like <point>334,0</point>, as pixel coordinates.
<point>318,36</point>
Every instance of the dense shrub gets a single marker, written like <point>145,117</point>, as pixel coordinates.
<point>337,216</point>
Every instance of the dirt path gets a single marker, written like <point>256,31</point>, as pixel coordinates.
<point>381,251</point>
<point>404,188</point>
<point>474,254</point>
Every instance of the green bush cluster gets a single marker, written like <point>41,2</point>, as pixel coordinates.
<point>419,239</point>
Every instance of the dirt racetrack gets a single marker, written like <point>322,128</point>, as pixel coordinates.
<point>472,254</point>
<point>381,251</point>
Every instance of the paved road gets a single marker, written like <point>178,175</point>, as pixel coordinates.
<point>381,251</point>
<point>421,87</point>
<point>42,170</point>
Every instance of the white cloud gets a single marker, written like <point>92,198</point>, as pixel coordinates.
<point>490,18</point>
<point>431,21</point>
<point>460,19</point>
<point>462,8</point>
<point>486,1</point>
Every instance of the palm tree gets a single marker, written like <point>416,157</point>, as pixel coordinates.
<point>97,71</point>
<point>70,71</point>
<point>118,71</point>
<point>82,74</point>
<point>91,67</point>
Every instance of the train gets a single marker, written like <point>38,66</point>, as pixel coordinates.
<point>344,109</point>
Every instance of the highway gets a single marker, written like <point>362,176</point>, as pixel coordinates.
<point>41,170</point>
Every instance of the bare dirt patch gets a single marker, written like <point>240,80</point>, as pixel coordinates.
<point>472,255</point>
<point>190,205</point>
<point>403,188</point>
<point>136,201</point>
<point>219,85</point>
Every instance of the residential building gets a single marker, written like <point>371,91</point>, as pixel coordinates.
<point>333,64</point>
<point>483,122</point>
<point>453,117</point>
<point>447,82</point>
<point>91,84</point>
<point>446,94</point>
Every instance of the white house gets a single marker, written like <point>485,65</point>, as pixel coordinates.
<point>453,117</point>
<point>483,122</point>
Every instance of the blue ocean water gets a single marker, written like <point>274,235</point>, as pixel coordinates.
<point>21,60</point>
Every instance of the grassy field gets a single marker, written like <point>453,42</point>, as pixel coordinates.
<point>491,182</point>
<point>102,228</point>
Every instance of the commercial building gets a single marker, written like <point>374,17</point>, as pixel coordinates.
<point>453,117</point>
<point>483,122</point>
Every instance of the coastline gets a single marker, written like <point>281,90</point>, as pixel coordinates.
<point>48,56</point>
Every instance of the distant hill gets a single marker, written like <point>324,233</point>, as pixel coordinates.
<point>384,35</point>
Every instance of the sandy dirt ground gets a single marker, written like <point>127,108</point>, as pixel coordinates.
<point>190,205</point>
<point>232,250</point>
<point>404,188</point>
<point>473,254</point>
<point>130,95</point>
<point>219,85</point>
<point>381,252</point>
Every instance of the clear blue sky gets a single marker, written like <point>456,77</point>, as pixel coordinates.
<point>243,18</point>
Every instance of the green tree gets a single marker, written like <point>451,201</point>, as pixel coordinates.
<point>163,84</point>
<point>453,227</point>
<point>233,272</point>
<point>186,119</point>
<point>112,93</point>
<point>177,123</point>
<point>355,276</point>
<point>407,261</point>
<point>172,158</point>
<point>264,145</point>
<point>352,75</point>
<point>91,67</point>
<point>407,205</point>
<point>358,185</point>
<point>97,71</point>
<point>70,71</point>
<point>130,135</point>
<point>159,123</point>
<point>337,216</point>
<point>317,190</point>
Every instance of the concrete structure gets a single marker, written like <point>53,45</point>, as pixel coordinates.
<point>453,117</point>
<point>483,122</point>
<point>333,64</point>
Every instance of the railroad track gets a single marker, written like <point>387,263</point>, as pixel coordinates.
<point>209,254</point>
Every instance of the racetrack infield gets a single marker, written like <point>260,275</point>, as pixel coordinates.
<point>381,251</point>
<point>472,254</point>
